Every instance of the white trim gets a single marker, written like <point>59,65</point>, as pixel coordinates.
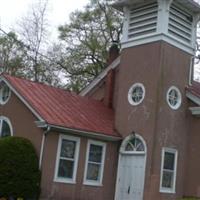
<point>3,118</point>
<point>173,189</point>
<point>193,98</point>
<point>158,37</point>
<point>130,93</point>
<point>195,110</point>
<point>1,95</point>
<point>122,152</point>
<point>78,132</point>
<point>125,141</point>
<point>21,98</point>
<point>179,100</point>
<point>91,182</point>
<point>98,79</point>
<point>76,158</point>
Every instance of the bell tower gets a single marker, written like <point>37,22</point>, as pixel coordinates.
<point>158,45</point>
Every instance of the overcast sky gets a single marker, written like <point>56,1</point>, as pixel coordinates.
<point>12,10</point>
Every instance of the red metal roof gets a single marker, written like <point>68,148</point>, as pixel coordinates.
<point>65,109</point>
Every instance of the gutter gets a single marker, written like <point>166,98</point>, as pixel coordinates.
<point>43,124</point>
<point>42,145</point>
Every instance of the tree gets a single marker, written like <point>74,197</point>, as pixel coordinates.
<point>12,55</point>
<point>33,32</point>
<point>86,40</point>
<point>20,176</point>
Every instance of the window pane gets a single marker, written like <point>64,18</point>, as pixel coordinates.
<point>5,93</point>
<point>5,131</point>
<point>95,154</point>
<point>169,161</point>
<point>68,149</point>
<point>65,169</point>
<point>93,172</point>
<point>167,181</point>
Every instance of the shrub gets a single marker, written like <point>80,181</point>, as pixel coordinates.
<point>19,173</point>
<point>190,198</point>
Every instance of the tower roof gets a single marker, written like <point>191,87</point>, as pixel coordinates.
<point>189,4</point>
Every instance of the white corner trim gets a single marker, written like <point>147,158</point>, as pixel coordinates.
<point>91,182</point>
<point>76,158</point>
<point>175,152</point>
<point>98,79</point>
<point>22,98</point>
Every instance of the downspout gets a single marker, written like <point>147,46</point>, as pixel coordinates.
<point>191,72</point>
<point>42,146</point>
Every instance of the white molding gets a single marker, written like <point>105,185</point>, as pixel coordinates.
<point>92,182</point>
<point>193,98</point>
<point>121,152</point>
<point>95,135</point>
<point>195,110</point>
<point>35,113</point>
<point>98,79</point>
<point>129,137</point>
<point>179,101</point>
<point>175,152</point>
<point>3,118</point>
<point>158,37</point>
<point>76,158</point>
<point>130,92</point>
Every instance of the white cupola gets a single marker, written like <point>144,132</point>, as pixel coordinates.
<point>173,21</point>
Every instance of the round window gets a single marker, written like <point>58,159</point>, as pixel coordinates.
<point>174,97</point>
<point>5,127</point>
<point>4,93</point>
<point>136,94</point>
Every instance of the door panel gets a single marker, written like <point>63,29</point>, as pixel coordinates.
<point>130,183</point>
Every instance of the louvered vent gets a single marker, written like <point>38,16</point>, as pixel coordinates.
<point>180,24</point>
<point>143,20</point>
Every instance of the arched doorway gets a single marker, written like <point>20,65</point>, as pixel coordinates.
<point>131,169</point>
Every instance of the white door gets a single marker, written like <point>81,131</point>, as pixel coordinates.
<point>131,175</point>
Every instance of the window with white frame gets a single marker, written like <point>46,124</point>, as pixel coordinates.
<point>136,94</point>
<point>5,127</point>
<point>67,159</point>
<point>4,93</point>
<point>94,166</point>
<point>168,170</point>
<point>174,97</point>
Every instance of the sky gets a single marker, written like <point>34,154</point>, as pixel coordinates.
<point>11,12</point>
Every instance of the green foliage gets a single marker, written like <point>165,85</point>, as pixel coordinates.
<point>86,39</point>
<point>12,54</point>
<point>20,176</point>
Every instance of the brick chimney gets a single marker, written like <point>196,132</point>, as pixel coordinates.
<point>110,77</point>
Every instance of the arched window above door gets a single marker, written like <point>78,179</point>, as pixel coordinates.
<point>133,144</point>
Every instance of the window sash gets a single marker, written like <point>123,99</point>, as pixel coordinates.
<point>100,165</point>
<point>67,178</point>
<point>170,186</point>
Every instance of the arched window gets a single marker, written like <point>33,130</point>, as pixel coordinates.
<point>133,144</point>
<point>4,93</point>
<point>5,127</point>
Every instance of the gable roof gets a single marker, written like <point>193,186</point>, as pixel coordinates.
<point>100,77</point>
<point>61,108</point>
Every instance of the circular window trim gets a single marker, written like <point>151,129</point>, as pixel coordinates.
<point>9,95</point>
<point>9,123</point>
<point>179,98</point>
<point>131,91</point>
